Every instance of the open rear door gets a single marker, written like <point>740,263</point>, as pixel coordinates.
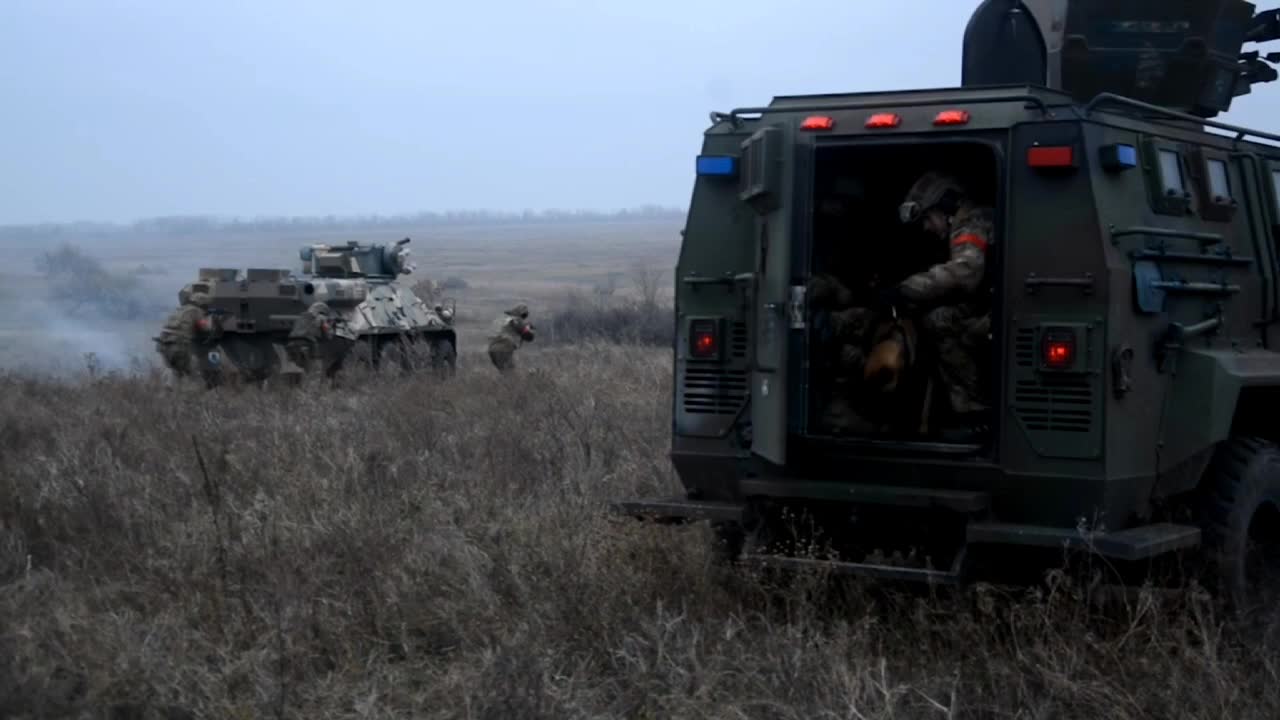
<point>767,188</point>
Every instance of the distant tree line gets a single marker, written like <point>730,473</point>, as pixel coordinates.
<point>203,224</point>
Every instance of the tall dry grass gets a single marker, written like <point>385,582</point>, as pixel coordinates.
<point>402,548</point>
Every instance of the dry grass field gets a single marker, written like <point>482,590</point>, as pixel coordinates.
<point>401,547</point>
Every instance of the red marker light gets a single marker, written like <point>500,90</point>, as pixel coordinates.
<point>951,117</point>
<point>702,339</point>
<point>883,120</point>
<point>817,122</point>
<point>1059,351</point>
<point>705,344</point>
<point>1045,157</point>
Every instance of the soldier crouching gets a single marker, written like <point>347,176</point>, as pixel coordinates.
<point>188,325</point>
<point>315,337</point>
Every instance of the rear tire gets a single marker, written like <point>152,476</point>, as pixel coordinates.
<point>1238,510</point>
<point>727,541</point>
<point>444,358</point>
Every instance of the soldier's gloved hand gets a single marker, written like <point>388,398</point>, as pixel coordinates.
<point>826,289</point>
<point>849,322</point>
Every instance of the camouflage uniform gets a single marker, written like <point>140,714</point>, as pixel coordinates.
<point>189,323</point>
<point>850,326</point>
<point>313,327</point>
<point>959,319</point>
<point>509,332</point>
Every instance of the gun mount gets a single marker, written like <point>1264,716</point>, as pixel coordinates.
<point>368,260</point>
<point>1184,55</point>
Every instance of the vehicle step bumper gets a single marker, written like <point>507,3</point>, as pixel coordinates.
<point>870,570</point>
<point>680,509</point>
<point>1139,543</point>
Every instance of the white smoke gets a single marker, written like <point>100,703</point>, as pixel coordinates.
<point>73,320</point>
<point>52,341</point>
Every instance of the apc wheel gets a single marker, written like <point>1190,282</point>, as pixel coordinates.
<point>1239,517</point>
<point>444,358</point>
<point>727,541</point>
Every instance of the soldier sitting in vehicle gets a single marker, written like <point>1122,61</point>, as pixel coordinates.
<point>957,313</point>
<point>190,324</point>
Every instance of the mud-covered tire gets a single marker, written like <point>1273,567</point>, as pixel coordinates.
<point>396,353</point>
<point>727,541</point>
<point>1238,511</point>
<point>444,358</point>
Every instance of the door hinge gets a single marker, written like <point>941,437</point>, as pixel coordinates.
<point>796,307</point>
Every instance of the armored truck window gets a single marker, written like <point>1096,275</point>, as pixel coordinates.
<point>1275,186</point>
<point>1166,182</point>
<point>1171,173</point>
<point>1219,184</point>
<point>1212,178</point>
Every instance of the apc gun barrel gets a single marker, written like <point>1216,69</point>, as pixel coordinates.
<point>338,292</point>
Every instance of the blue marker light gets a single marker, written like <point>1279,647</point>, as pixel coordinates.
<point>1118,157</point>
<point>717,165</point>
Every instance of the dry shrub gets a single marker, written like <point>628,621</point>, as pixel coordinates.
<point>403,547</point>
<point>580,318</point>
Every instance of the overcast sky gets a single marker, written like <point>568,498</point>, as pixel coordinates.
<point>120,109</point>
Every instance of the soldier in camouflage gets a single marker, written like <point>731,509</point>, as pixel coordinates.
<point>510,331</point>
<point>958,313</point>
<point>189,324</point>
<point>839,213</point>
<point>310,335</point>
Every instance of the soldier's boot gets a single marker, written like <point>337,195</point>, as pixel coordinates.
<point>958,373</point>
<point>839,417</point>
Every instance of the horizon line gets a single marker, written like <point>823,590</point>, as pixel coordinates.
<point>211,220</point>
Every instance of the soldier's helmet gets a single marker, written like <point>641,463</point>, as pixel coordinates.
<point>929,191</point>
<point>521,311</point>
<point>320,309</point>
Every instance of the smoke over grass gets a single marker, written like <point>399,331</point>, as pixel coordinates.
<point>76,310</point>
<point>80,286</point>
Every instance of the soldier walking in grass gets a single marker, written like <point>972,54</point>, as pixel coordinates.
<point>189,324</point>
<point>511,330</point>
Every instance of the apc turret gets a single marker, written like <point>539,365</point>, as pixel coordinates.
<point>1182,55</point>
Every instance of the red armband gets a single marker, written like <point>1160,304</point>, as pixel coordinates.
<point>970,239</point>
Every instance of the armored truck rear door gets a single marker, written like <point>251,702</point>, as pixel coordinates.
<point>769,174</point>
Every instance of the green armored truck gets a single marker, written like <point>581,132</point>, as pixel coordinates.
<point>1126,292</point>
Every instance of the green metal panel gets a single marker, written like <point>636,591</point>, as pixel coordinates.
<point>1059,412</point>
<point>770,190</point>
<point>1203,393</point>
<point>714,280</point>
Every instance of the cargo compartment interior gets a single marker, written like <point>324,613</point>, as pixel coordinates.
<point>880,389</point>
